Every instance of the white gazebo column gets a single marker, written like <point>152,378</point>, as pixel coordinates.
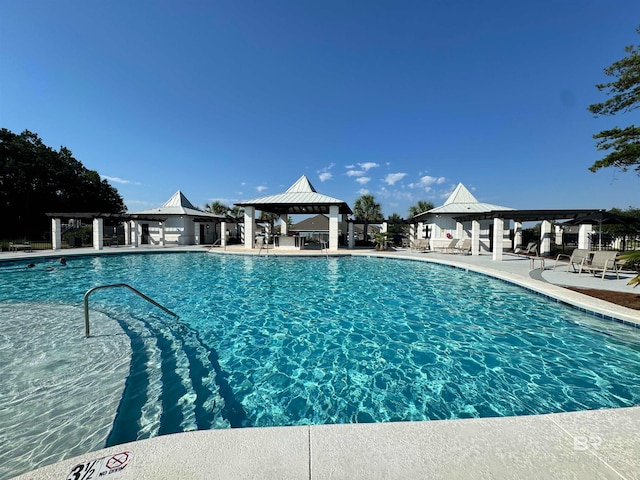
<point>127,233</point>
<point>135,234</point>
<point>517,236</point>
<point>545,239</point>
<point>162,236</point>
<point>498,235</point>
<point>475,237</point>
<point>56,234</point>
<point>284,227</point>
<point>98,233</point>
<point>558,235</point>
<point>333,227</point>
<point>412,232</point>
<point>420,233</point>
<point>583,236</point>
<point>352,236</point>
<point>459,230</point>
<point>223,234</point>
<point>249,226</point>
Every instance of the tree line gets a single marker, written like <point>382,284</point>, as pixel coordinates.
<point>36,179</point>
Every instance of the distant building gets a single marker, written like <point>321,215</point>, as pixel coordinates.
<point>183,224</point>
<point>440,226</point>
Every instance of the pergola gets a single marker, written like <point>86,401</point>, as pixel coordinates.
<point>518,216</point>
<point>301,198</point>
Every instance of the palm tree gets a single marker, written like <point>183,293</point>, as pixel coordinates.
<point>216,207</point>
<point>420,207</point>
<point>366,208</point>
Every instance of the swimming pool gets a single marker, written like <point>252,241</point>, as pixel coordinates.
<point>288,341</point>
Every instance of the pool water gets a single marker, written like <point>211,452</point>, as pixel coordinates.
<point>290,341</point>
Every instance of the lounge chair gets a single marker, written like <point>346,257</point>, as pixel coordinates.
<point>464,246</point>
<point>451,247</point>
<point>420,245</point>
<point>532,249</point>
<point>575,259</point>
<point>601,261</point>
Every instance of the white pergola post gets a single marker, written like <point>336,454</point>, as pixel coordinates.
<point>412,232</point>
<point>223,234</point>
<point>420,233</point>
<point>475,237</point>
<point>284,227</point>
<point>135,234</point>
<point>249,226</point>
<point>583,236</point>
<point>558,235</point>
<point>352,236</point>
<point>459,230</point>
<point>545,239</point>
<point>333,227</point>
<point>56,234</point>
<point>98,233</point>
<point>498,234</point>
<point>162,234</point>
<point>517,236</point>
<point>127,233</point>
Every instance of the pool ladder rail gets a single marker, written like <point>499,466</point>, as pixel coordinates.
<point>118,285</point>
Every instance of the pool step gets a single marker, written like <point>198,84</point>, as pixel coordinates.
<point>171,386</point>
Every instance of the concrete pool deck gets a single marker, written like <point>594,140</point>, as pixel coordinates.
<point>591,444</point>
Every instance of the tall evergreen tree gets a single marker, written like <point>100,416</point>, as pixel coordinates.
<point>35,179</point>
<point>623,144</point>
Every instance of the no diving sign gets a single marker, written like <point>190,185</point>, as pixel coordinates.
<point>100,468</point>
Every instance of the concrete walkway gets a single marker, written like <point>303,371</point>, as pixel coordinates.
<point>582,445</point>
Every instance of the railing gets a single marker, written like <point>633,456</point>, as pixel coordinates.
<point>218,243</point>
<point>117,285</point>
<point>324,247</point>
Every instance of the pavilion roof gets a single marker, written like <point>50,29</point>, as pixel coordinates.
<point>300,198</point>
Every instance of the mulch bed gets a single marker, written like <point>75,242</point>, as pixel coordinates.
<point>629,300</point>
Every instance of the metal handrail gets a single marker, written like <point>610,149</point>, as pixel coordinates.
<point>117,285</point>
<point>324,247</point>
<point>219,242</point>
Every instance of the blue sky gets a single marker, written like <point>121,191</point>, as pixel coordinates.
<point>232,100</point>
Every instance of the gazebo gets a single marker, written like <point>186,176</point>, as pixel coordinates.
<point>301,198</point>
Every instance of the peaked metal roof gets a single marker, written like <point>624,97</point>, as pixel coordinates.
<point>300,198</point>
<point>178,204</point>
<point>461,201</point>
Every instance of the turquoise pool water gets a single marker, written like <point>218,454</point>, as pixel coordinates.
<point>290,341</point>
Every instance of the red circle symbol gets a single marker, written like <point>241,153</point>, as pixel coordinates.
<point>118,460</point>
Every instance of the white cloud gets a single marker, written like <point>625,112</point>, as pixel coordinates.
<point>427,182</point>
<point>119,180</point>
<point>392,178</point>
<point>368,166</point>
<point>363,180</point>
<point>324,173</point>
<point>360,169</point>
<point>363,191</point>
<point>261,188</point>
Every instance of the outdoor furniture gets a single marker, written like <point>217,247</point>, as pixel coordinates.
<point>532,262</point>
<point>575,259</point>
<point>451,247</point>
<point>532,249</point>
<point>420,245</point>
<point>600,261</point>
<point>464,246</point>
<point>14,247</point>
